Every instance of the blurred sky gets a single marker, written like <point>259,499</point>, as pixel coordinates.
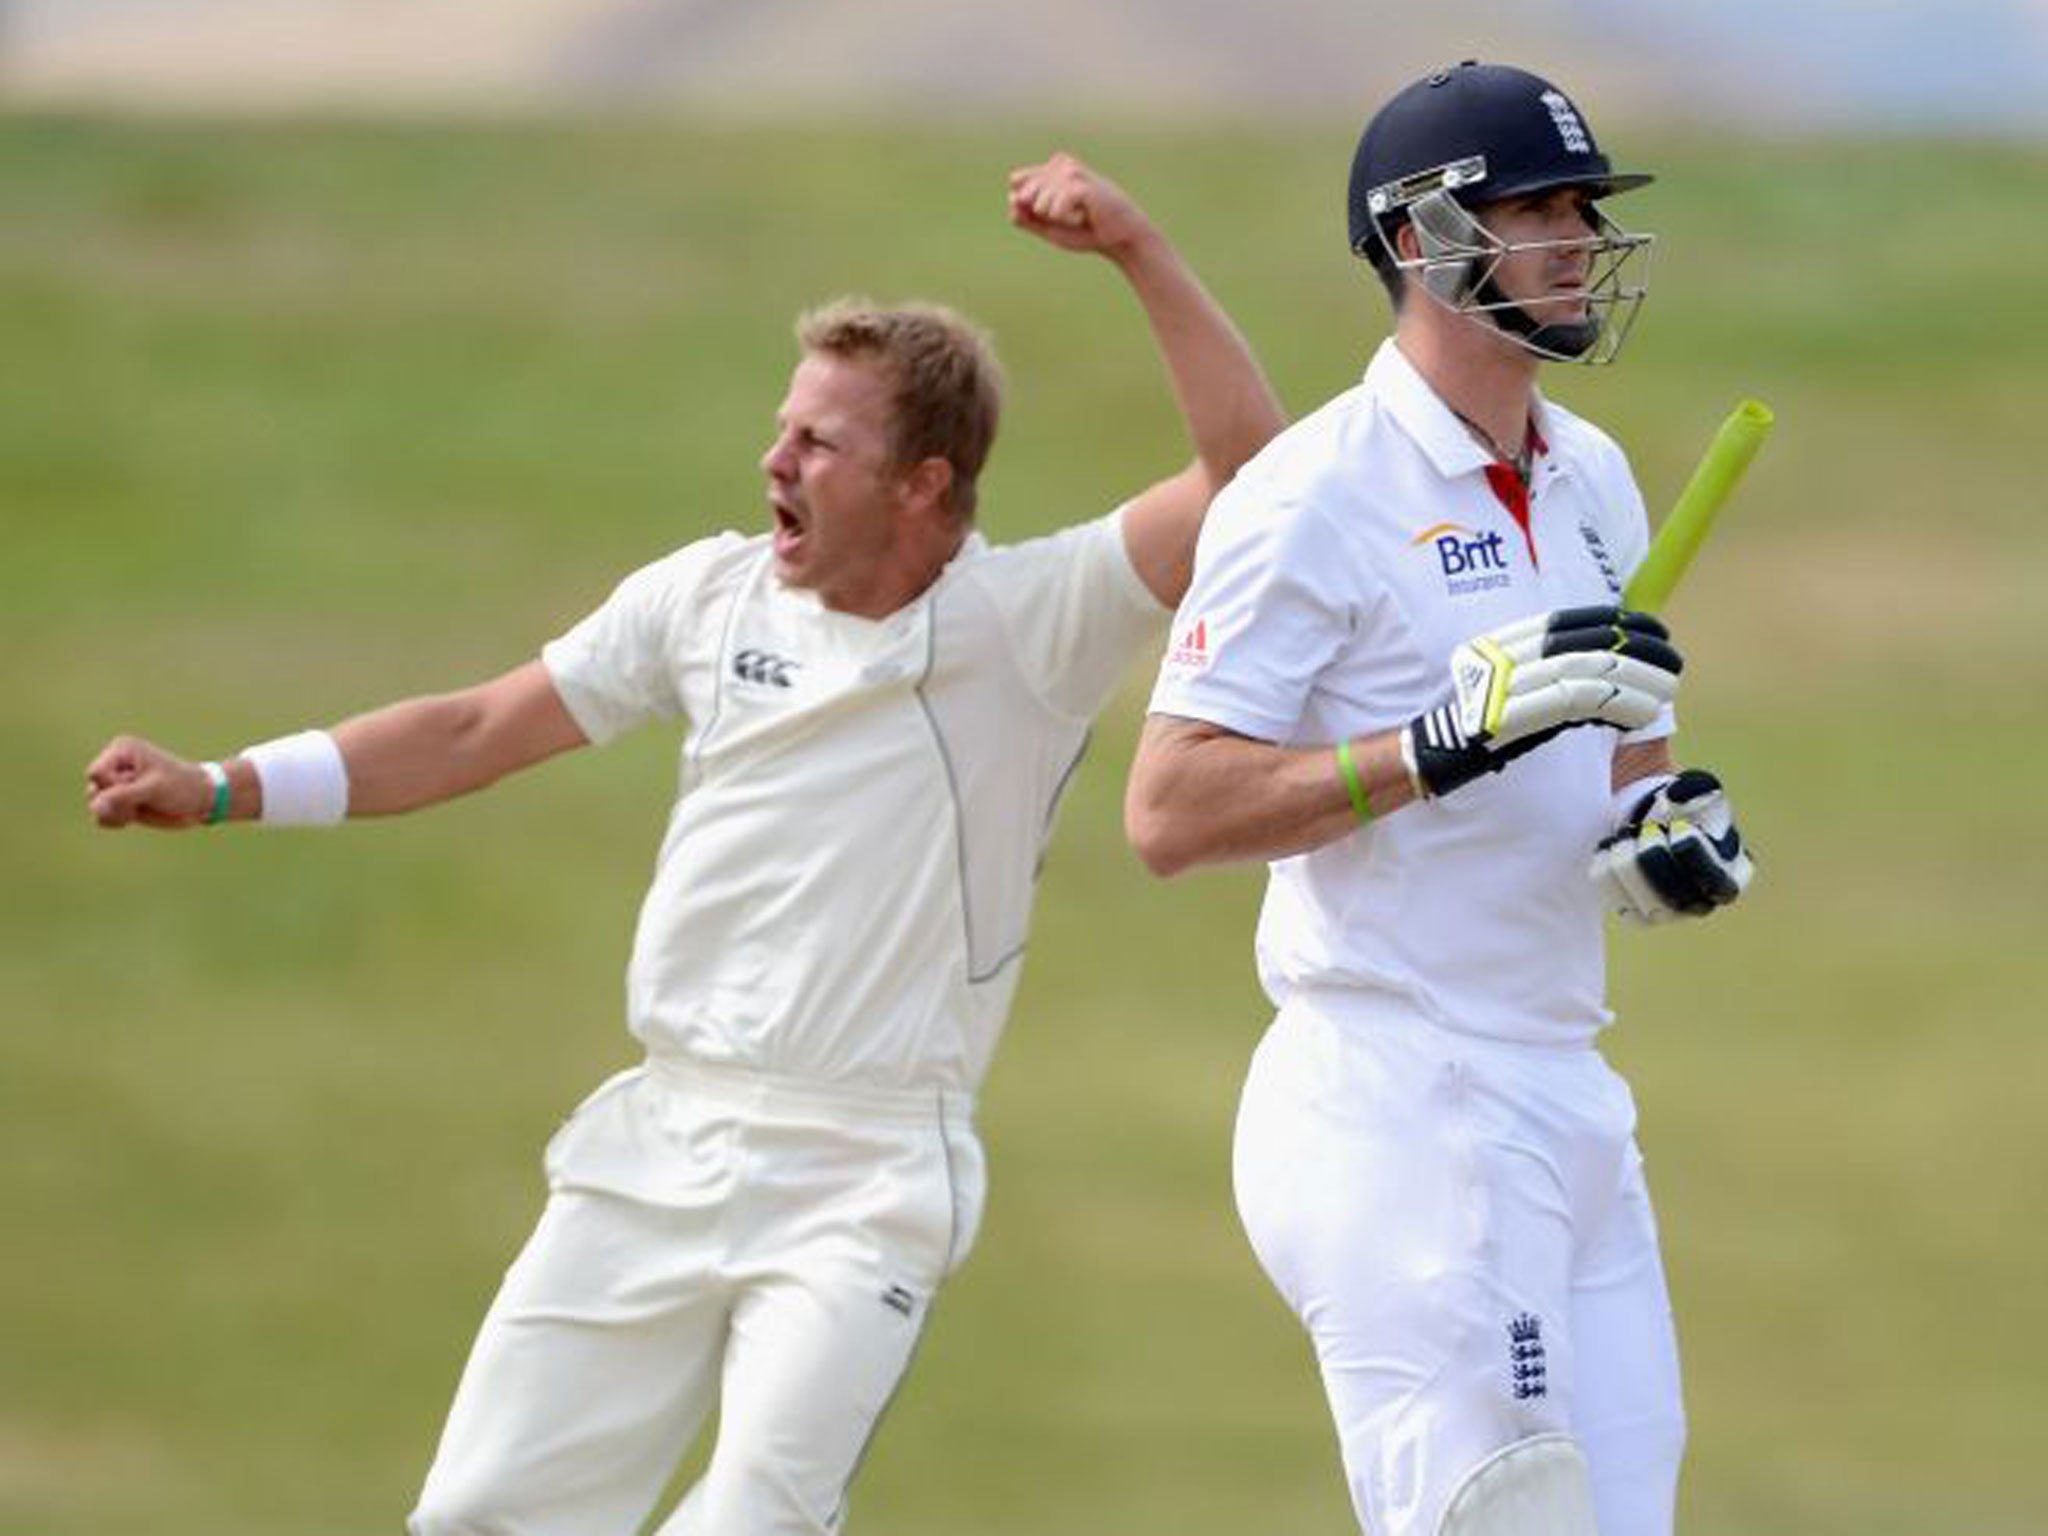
<point>1876,65</point>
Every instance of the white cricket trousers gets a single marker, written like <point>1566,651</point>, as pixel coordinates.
<point>711,1236</point>
<point>1462,1226</point>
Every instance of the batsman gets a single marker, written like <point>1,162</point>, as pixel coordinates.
<point>1405,676</point>
<point>883,710</point>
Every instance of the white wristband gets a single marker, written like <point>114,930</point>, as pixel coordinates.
<point>1408,762</point>
<point>217,787</point>
<point>304,779</point>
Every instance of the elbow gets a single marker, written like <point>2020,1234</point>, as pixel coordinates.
<point>1213,473</point>
<point>1155,838</point>
<point>1259,423</point>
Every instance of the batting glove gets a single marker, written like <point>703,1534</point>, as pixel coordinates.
<point>1677,854</point>
<point>1515,687</point>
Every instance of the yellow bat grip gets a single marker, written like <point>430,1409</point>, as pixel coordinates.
<point>1685,528</point>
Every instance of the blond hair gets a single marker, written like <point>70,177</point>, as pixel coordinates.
<point>946,384</point>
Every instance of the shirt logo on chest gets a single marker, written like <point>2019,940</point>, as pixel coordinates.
<point>764,668</point>
<point>1470,561</point>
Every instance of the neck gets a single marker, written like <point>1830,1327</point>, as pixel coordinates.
<point>913,568</point>
<point>1485,377</point>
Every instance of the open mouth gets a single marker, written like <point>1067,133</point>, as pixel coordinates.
<point>789,527</point>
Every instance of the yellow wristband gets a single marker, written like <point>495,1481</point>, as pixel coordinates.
<point>1347,768</point>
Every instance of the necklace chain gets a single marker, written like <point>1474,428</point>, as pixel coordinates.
<point>1521,462</point>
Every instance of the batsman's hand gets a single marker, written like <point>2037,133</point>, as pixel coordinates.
<point>1678,853</point>
<point>1515,687</point>
<point>1065,202</point>
<point>135,781</point>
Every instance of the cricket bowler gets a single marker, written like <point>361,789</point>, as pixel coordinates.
<point>882,712</point>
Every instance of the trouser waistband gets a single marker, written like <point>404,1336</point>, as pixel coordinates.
<point>1381,1008</point>
<point>774,1093</point>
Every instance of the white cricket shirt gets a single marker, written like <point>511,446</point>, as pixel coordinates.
<point>1333,579</point>
<point>845,886</point>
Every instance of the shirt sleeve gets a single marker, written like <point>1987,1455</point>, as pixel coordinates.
<point>1076,612</point>
<point>620,667</point>
<point>1260,621</point>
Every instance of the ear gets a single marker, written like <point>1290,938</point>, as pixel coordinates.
<point>926,483</point>
<point>1407,244</point>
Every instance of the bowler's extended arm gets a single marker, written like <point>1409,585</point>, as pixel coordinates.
<point>405,756</point>
<point>1230,408</point>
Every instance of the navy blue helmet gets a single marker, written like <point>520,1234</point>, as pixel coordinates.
<point>1464,137</point>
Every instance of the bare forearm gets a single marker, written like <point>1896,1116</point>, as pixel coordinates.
<point>1635,760</point>
<point>415,753</point>
<point>399,758</point>
<point>425,750</point>
<point>1230,409</point>
<point>1199,795</point>
<point>1223,394</point>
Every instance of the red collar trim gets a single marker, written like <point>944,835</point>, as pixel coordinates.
<point>1512,491</point>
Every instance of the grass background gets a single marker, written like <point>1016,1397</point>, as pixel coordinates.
<point>296,418</point>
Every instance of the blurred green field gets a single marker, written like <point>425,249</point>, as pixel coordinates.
<point>297,418</point>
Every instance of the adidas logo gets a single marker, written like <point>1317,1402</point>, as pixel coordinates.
<point>1191,651</point>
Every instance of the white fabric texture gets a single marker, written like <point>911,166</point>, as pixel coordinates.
<point>1435,1167</point>
<point>1334,578</point>
<point>824,749</point>
<point>1535,1487</point>
<point>759,1215</point>
<point>1462,1226</point>
<point>304,779</point>
<point>784,1274</point>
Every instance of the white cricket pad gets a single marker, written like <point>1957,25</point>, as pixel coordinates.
<point>1534,1487</point>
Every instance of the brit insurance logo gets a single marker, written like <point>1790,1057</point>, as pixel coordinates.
<point>1471,561</point>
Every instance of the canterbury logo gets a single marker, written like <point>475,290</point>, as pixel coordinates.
<point>751,666</point>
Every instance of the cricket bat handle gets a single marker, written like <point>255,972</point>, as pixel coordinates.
<point>1686,527</point>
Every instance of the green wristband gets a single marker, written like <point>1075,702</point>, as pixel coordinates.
<point>218,811</point>
<point>1348,769</point>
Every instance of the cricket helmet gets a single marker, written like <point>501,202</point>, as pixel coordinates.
<point>1464,137</point>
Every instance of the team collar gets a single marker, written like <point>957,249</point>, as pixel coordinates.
<point>1435,427</point>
